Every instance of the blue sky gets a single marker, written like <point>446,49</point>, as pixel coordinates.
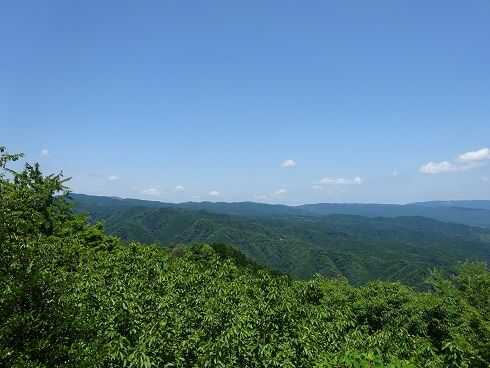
<point>370,101</point>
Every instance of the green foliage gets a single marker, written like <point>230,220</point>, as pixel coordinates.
<point>354,359</point>
<point>29,207</point>
<point>71,296</point>
<point>358,248</point>
<point>472,213</point>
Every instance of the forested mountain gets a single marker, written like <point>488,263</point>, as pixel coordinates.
<point>473,216</point>
<point>73,296</point>
<point>473,213</point>
<point>475,204</point>
<point>359,248</point>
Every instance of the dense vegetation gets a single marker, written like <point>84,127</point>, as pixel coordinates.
<point>72,296</point>
<point>472,213</point>
<point>359,248</point>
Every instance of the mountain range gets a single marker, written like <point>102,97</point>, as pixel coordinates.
<point>473,213</point>
<point>330,239</point>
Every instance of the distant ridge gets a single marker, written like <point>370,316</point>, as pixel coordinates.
<point>468,212</point>
<point>471,204</point>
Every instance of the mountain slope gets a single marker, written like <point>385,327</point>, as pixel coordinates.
<point>358,248</point>
<point>472,213</point>
<point>473,216</point>
<point>475,204</point>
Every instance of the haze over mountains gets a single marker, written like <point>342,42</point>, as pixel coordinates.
<point>361,242</point>
<point>468,212</point>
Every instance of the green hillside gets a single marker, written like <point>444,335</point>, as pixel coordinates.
<point>474,204</point>
<point>472,213</point>
<point>72,296</point>
<point>359,248</point>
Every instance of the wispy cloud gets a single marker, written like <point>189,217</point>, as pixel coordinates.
<point>341,181</point>
<point>280,192</point>
<point>44,152</point>
<point>151,192</point>
<point>113,178</point>
<point>330,182</point>
<point>432,167</point>
<point>288,163</point>
<point>465,161</point>
<point>179,188</point>
<point>394,173</point>
<point>214,193</point>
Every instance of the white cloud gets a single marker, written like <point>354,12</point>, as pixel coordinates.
<point>261,197</point>
<point>341,181</point>
<point>328,183</point>
<point>214,193</point>
<point>432,167</point>
<point>479,155</point>
<point>179,188</point>
<point>465,161</point>
<point>44,152</point>
<point>394,173</point>
<point>151,192</point>
<point>485,179</point>
<point>113,178</point>
<point>280,192</point>
<point>288,163</point>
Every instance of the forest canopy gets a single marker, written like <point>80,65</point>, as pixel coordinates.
<point>359,248</point>
<point>73,296</point>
